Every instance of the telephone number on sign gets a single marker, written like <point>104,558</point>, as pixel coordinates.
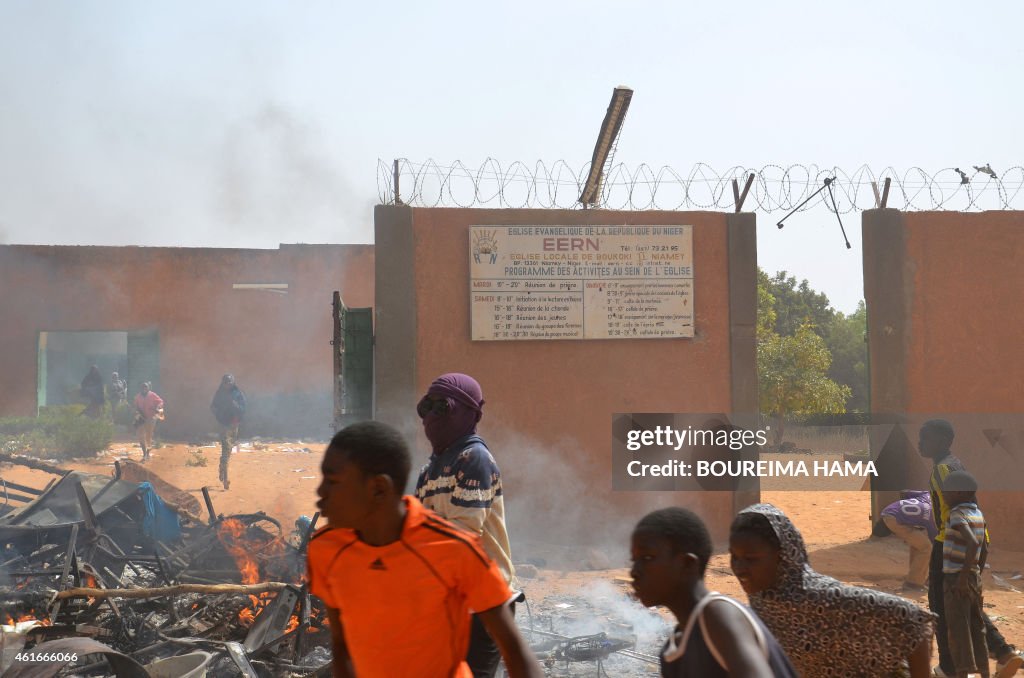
<point>29,657</point>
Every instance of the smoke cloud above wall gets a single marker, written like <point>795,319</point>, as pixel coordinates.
<point>148,126</point>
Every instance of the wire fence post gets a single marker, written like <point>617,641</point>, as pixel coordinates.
<point>780,188</point>
<point>398,194</point>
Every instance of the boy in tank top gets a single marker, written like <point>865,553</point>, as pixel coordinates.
<point>716,636</point>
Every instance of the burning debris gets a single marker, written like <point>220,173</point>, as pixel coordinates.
<point>599,632</point>
<point>134,577</point>
<point>126,578</point>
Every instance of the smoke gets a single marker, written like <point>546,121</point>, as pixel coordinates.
<point>548,509</point>
<point>115,134</point>
<point>648,627</point>
<point>275,175</point>
<point>559,503</point>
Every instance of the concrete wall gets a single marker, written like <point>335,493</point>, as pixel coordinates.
<point>277,345</point>
<point>550,403</point>
<point>946,322</point>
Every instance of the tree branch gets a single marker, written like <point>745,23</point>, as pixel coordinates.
<point>170,590</point>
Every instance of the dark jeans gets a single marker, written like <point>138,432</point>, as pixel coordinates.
<point>228,437</point>
<point>483,656</point>
<point>996,643</point>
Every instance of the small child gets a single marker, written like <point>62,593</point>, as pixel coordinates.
<point>963,557</point>
<point>670,551</point>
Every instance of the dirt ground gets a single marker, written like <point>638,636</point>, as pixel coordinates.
<point>281,478</point>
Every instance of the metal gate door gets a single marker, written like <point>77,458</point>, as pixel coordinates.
<point>143,361</point>
<point>353,363</point>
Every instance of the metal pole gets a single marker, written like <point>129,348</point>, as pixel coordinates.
<point>828,182</point>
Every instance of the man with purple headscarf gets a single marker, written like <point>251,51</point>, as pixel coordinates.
<point>462,483</point>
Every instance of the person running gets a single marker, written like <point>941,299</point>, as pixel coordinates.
<point>228,409</point>
<point>399,581</point>
<point>715,636</point>
<point>827,628</point>
<point>149,407</point>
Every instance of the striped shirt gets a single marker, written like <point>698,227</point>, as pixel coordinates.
<point>954,548</point>
<point>940,508</point>
<point>463,485</point>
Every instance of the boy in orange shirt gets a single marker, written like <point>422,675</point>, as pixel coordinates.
<point>400,582</point>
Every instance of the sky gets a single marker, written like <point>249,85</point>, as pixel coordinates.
<point>249,124</point>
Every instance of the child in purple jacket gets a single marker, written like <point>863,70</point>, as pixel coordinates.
<point>910,519</point>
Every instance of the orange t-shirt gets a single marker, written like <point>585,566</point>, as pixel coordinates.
<point>406,606</point>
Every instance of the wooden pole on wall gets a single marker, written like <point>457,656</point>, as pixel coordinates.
<point>398,193</point>
<point>338,351</point>
<point>881,201</point>
<point>739,197</point>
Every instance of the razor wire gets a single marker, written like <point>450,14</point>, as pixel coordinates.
<point>774,188</point>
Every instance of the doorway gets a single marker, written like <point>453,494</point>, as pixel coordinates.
<point>64,358</point>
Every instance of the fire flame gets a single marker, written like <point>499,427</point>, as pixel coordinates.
<point>231,536</point>
<point>241,547</point>
<point>26,617</point>
<point>89,581</point>
<point>250,571</point>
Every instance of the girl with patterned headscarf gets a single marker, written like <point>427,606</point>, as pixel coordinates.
<point>827,628</point>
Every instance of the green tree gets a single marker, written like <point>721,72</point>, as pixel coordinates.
<point>765,307</point>
<point>792,370</point>
<point>784,305</point>
<point>797,304</point>
<point>847,342</point>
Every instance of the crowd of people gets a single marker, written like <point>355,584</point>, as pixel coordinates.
<point>147,406</point>
<point>96,394</point>
<point>227,407</point>
<point>386,561</point>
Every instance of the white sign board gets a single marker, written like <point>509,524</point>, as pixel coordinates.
<point>581,282</point>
